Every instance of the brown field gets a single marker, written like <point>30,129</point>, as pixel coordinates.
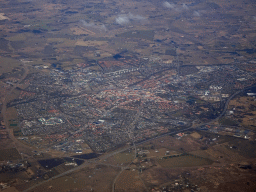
<point>9,154</point>
<point>158,176</point>
<point>19,37</point>
<point>91,43</point>
<point>11,113</point>
<point>160,153</point>
<point>81,31</point>
<point>244,111</point>
<point>205,154</point>
<point>124,157</point>
<point>6,143</point>
<point>8,64</point>
<point>96,178</point>
<point>195,135</point>
<point>129,181</point>
<point>170,143</point>
<point>62,42</point>
<point>227,153</point>
<point>86,148</point>
<point>11,189</point>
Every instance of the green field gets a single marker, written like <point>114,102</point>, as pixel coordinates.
<point>184,161</point>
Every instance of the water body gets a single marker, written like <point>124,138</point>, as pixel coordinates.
<point>36,31</point>
<point>51,163</point>
<point>117,56</point>
<point>78,161</point>
<point>87,156</point>
<point>251,90</point>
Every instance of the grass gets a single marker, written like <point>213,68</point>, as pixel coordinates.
<point>184,161</point>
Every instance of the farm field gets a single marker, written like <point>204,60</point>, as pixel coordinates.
<point>184,161</point>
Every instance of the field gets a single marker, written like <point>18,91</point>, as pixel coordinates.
<point>8,64</point>
<point>124,157</point>
<point>91,43</point>
<point>142,34</point>
<point>11,189</point>
<point>12,118</point>
<point>6,143</point>
<point>93,178</point>
<point>244,111</point>
<point>160,153</point>
<point>17,38</point>
<point>129,181</point>
<point>9,154</point>
<point>184,161</point>
<point>174,145</point>
<point>208,154</point>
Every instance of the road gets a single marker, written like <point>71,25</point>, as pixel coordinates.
<point>229,99</point>
<point>4,109</point>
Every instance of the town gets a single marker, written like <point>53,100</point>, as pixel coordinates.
<point>105,111</point>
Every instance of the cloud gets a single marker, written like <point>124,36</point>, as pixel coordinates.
<point>122,20</point>
<point>168,5</point>
<point>136,17</point>
<point>127,18</point>
<point>184,6</point>
<point>197,14</point>
<point>93,25</point>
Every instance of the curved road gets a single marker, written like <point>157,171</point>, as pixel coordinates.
<point>4,109</point>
